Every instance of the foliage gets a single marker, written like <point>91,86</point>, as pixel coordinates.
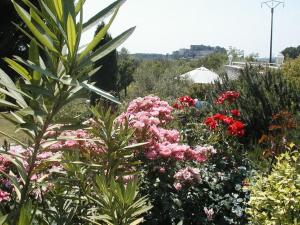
<point>74,112</point>
<point>291,52</point>
<point>275,140</point>
<point>119,203</point>
<point>199,183</point>
<point>275,198</point>
<point>106,75</point>
<point>261,96</point>
<point>53,76</point>
<point>126,67</point>
<point>159,78</point>
<point>291,70</point>
<point>214,61</point>
<point>12,40</point>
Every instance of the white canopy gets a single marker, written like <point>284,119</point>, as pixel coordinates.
<point>201,76</point>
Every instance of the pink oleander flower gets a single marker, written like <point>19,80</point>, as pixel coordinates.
<point>187,175</point>
<point>178,186</point>
<point>4,196</point>
<point>209,213</point>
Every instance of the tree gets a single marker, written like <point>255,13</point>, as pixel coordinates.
<point>126,67</point>
<point>106,77</point>
<point>291,70</point>
<point>291,52</point>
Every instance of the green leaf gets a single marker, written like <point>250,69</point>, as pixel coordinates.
<point>99,36</point>
<point>58,4</point>
<point>8,104</point>
<point>3,219</point>
<point>79,6</point>
<point>11,87</point>
<point>71,34</point>
<point>14,139</point>
<point>108,47</point>
<point>100,92</point>
<point>42,24</point>
<point>102,14</point>
<point>34,57</point>
<point>18,68</point>
<point>43,38</point>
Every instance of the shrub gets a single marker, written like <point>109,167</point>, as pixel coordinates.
<point>261,97</point>
<point>275,198</point>
<point>291,70</point>
<point>192,184</point>
<point>55,74</point>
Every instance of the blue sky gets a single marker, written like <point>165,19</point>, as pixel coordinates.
<point>167,25</point>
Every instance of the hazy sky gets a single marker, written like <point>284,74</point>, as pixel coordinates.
<point>167,25</point>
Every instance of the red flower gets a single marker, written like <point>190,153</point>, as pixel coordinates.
<point>177,106</point>
<point>187,100</point>
<point>219,116</point>
<point>235,112</point>
<point>211,122</point>
<point>230,96</point>
<point>184,101</point>
<point>236,128</point>
<point>228,120</point>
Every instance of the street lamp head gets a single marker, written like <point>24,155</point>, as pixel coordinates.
<point>272,4</point>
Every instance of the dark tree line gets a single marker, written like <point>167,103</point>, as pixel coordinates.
<point>291,52</point>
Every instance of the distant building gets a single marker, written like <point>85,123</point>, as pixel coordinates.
<point>196,51</point>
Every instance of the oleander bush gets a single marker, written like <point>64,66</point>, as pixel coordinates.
<point>275,197</point>
<point>196,180</point>
<point>64,174</point>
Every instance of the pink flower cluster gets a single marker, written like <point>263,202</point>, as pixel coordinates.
<point>6,166</point>
<point>147,116</point>
<point>145,112</point>
<point>74,139</point>
<point>209,213</point>
<point>4,196</point>
<point>187,175</point>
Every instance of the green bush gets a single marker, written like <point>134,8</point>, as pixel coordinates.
<point>275,199</point>
<point>261,96</point>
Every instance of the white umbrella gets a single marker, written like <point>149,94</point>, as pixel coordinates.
<point>201,75</point>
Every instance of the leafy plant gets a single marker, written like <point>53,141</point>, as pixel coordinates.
<point>275,198</point>
<point>52,76</point>
<point>261,97</point>
<point>117,203</point>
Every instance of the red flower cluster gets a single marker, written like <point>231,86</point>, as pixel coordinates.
<point>235,112</point>
<point>184,101</point>
<point>235,127</point>
<point>229,96</point>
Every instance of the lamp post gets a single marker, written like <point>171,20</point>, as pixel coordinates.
<point>272,4</point>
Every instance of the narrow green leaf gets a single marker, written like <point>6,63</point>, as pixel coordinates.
<point>108,47</point>
<point>14,139</point>
<point>18,68</point>
<point>34,57</point>
<point>3,219</point>
<point>11,87</point>
<point>100,92</point>
<point>58,4</point>
<point>43,38</point>
<point>42,24</point>
<point>79,6</point>
<point>8,104</point>
<point>102,15</point>
<point>71,34</point>
<point>99,36</point>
